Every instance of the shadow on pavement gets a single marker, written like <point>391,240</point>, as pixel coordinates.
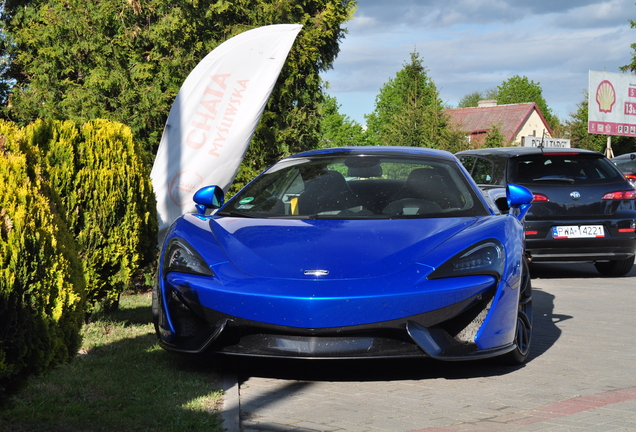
<point>300,374</point>
<point>545,331</point>
<point>569,271</point>
<point>545,335</point>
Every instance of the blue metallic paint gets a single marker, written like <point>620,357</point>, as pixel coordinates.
<point>380,276</point>
<point>349,249</point>
<point>356,298</point>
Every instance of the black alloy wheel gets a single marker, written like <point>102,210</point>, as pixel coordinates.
<point>523,333</point>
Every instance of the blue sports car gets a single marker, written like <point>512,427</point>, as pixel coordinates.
<point>354,252</point>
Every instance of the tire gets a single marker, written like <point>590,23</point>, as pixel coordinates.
<point>615,268</point>
<point>155,306</point>
<point>523,332</point>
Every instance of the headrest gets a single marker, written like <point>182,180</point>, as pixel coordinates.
<point>365,172</point>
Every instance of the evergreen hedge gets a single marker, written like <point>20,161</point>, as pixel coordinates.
<point>42,289</point>
<point>106,196</point>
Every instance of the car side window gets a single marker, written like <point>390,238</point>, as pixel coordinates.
<point>483,171</point>
<point>468,162</point>
<point>626,165</point>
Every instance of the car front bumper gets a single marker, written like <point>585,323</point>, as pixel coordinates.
<point>447,333</point>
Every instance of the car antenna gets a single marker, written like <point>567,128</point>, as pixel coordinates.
<point>542,140</point>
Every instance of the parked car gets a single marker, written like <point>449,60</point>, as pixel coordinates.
<point>349,253</point>
<point>627,164</point>
<point>583,209</point>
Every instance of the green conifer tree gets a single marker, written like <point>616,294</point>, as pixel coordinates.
<point>126,61</point>
<point>409,112</point>
<point>338,130</point>
<point>494,137</point>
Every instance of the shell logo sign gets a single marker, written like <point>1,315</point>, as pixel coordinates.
<point>605,96</point>
<point>614,112</point>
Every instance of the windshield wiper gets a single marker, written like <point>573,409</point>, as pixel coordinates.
<point>236,214</point>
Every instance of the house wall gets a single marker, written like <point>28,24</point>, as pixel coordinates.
<point>534,126</point>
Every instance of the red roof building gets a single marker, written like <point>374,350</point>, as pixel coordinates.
<point>514,121</point>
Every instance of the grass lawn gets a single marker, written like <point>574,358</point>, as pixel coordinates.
<point>121,380</point>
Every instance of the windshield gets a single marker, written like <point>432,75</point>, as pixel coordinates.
<point>358,187</point>
<point>575,169</point>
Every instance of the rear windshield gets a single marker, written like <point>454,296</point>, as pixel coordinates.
<point>577,169</point>
<point>358,187</point>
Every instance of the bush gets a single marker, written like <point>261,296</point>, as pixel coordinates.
<point>106,197</point>
<point>42,289</point>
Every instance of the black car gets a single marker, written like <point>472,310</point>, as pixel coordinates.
<point>584,210</point>
<point>627,164</point>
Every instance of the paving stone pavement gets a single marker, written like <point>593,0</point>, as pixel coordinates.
<point>581,376</point>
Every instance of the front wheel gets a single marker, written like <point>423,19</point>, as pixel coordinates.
<point>155,305</point>
<point>523,332</point>
<point>615,267</point>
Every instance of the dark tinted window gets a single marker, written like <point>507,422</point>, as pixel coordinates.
<point>565,168</point>
<point>468,162</point>
<point>626,165</point>
<point>358,187</point>
<point>483,172</point>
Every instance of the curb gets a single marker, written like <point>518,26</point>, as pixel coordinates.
<point>231,406</point>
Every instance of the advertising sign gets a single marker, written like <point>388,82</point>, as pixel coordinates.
<point>612,104</point>
<point>214,116</point>
<point>533,141</point>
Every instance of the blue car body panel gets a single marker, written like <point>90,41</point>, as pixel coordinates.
<point>394,285</point>
<point>329,276</point>
<point>350,249</point>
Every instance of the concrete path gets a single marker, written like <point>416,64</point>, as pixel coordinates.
<point>581,376</point>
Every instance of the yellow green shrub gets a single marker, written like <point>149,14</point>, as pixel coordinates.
<point>106,196</point>
<point>42,288</point>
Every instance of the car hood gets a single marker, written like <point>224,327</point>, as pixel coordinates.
<point>330,249</point>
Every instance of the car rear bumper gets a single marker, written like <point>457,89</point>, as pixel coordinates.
<point>617,243</point>
<point>574,254</point>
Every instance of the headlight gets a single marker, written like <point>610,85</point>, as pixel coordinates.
<point>483,258</point>
<point>181,257</point>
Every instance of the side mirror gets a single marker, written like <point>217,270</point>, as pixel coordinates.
<point>519,199</point>
<point>209,197</point>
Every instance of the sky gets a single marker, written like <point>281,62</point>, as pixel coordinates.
<point>475,45</point>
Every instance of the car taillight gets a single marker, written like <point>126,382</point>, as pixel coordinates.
<point>630,176</point>
<point>620,195</point>
<point>539,197</point>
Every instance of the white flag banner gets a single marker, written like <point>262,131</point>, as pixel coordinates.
<point>214,116</point>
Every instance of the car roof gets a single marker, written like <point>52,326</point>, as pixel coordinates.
<point>378,151</point>
<point>625,156</point>
<point>524,151</point>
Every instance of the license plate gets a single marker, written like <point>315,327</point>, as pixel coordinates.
<point>582,231</point>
